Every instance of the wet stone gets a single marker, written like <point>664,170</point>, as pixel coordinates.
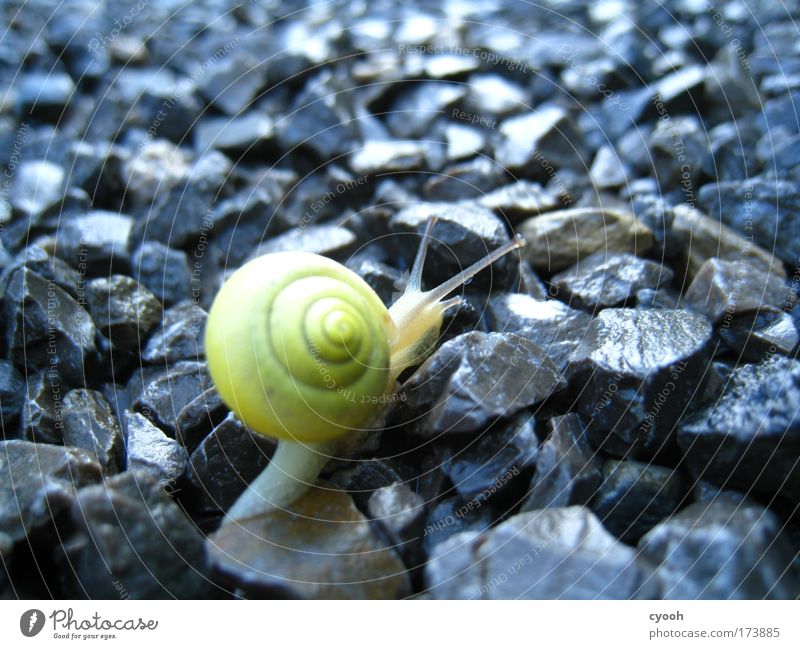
<point>381,156</point>
<point>561,553</point>
<point>520,200</point>
<point>178,337</point>
<point>749,436</point>
<point>721,550</point>
<point>12,395</point>
<point>321,548</point>
<point>638,369</point>
<point>164,271</point>
<point>164,396</point>
<point>42,409</point>
<point>399,514</point>
<point>226,461</point>
<point>635,496</point>
<point>98,242</point>
<point>47,327</point>
<point>37,482</point>
<point>532,142</point>
<point>722,289</point>
<point>554,326</point>
<point>757,335</point>
<point>473,380</point>
<point>90,424</point>
<point>122,310</point>
<point>128,533</point>
<point>197,418</point>
<point>567,470</point>
<point>602,280</point>
<point>150,451</point>
<point>557,240</point>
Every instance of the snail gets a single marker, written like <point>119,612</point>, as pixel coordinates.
<point>303,350</point>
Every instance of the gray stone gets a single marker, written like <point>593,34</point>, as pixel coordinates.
<point>474,379</point>
<point>721,550</point>
<point>608,170</point>
<point>453,515</point>
<point>225,462</point>
<point>635,496</point>
<point>234,136</point>
<point>179,336</point>
<point>557,240</point>
<point>164,271</point>
<point>38,185</point>
<point>749,436</point>
<point>150,451</point>
<point>42,419</point>
<point>130,541</point>
<point>45,94</point>
<point>98,242</point>
<point>39,261</point>
<point>165,395</point>
<point>233,82</point>
<point>567,470</point>
<point>520,200</point>
<point>320,548</point>
<point>197,418</point>
<point>383,156</point>
<point>38,482</point>
<point>12,395</point>
<point>602,280</point>
<point>562,553</point>
<point>385,280</point>
<point>122,310</point>
<point>464,181</point>
<point>493,94</point>
<point>757,335</point>
<point>418,106</point>
<point>327,240</point>
<point>554,326</point>
<point>156,166</point>
<point>463,141</point>
<point>638,369</point>
<point>722,289</point>
<point>399,514</point>
<point>90,424</point>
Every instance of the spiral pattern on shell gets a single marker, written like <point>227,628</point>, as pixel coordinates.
<point>298,347</point>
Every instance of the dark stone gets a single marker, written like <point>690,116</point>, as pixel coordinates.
<point>635,496</point>
<point>464,234</point>
<point>554,326</point>
<point>45,95</point>
<point>490,462</point>
<point>197,418</point>
<point>38,482</point>
<point>419,105</point>
<point>768,210</point>
<point>453,515</point>
<point>607,170</point>
<point>37,260</point>
<point>224,463</point>
<point>722,289</point>
<point>562,553</point>
<point>520,200</point>
<point>97,242</point>
<point>385,280</point>
<point>233,82</point>
<point>156,166</point>
<point>122,310</point>
<point>327,240</point>
<point>473,380</point>
<point>399,514</point>
<point>465,180</point>
<point>537,141</point>
<point>679,148</point>
<point>165,395</point>
<point>567,470</point>
<point>179,336</point>
<point>320,548</point>
<point>235,136</point>
<point>721,550</point>
<point>757,335</point>
<point>749,436</point>
<point>42,419</point>
<point>385,156</point>
<point>602,280</point>
<point>91,424</point>
<point>164,271</point>
<point>150,451</point>
<point>12,396</point>
<point>681,89</point>
<point>131,541</point>
<point>557,240</point>
<point>47,327</point>
<point>638,369</point>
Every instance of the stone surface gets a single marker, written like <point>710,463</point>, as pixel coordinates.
<point>520,200</point>
<point>235,136</point>
<point>757,335</point>
<point>475,379</point>
<point>399,514</point>
<point>151,452</point>
<point>635,496</point>
<point>90,424</point>
<point>164,396</point>
<point>561,553</point>
<point>721,550</point>
<point>637,370</point>
<point>323,548</point>
<point>12,395</point>
<point>608,279</point>
<point>131,539</point>
<point>38,482</point>
<point>557,240</point>
<point>748,437</point>
<point>42,418</point>
<point>179,335</point>
<point>164,271</point>
<point>465,180</point>
<point>377,156</point>
<point>98,241</point>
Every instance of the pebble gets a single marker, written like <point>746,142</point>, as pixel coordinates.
<point>165,395</point>
<point>756,335</point>
<point>45,95</point>
<point>150,451</point>
<point>235,136</point>
<point>399,514</point>
<point>97,242</point>
<point>419,105</point>
<point>90,423</point>
<point>12,395</point>
<point>178,337</point>
<point>382,156</point>
<point>520,200</point>
<point>163,271</point>
<point>232,82</point>
<point>464,181</point>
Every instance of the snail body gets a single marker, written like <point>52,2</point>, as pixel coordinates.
<point>303,350</point>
